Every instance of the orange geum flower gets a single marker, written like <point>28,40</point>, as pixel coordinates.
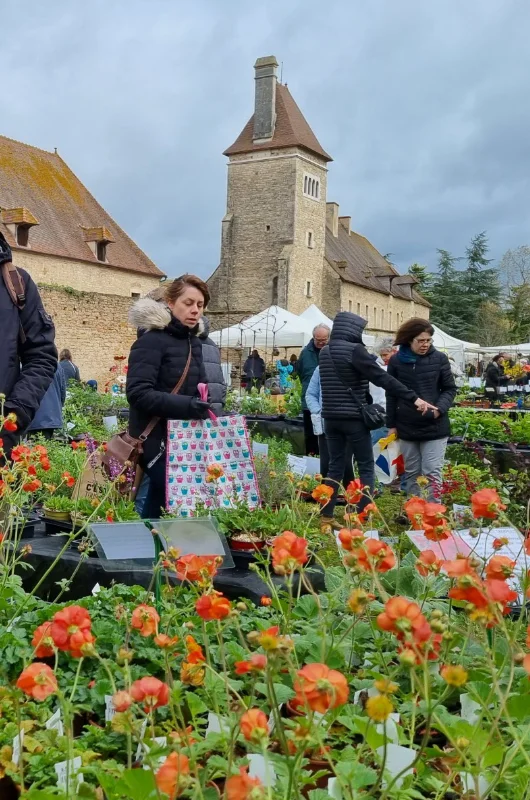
<point>71,631</point>
<point>164,641</point>
<point>454,674</point>
<point>256,663</point>
<point>379,708</point>
<point>42,641</point>
<point>358,600</point>
<point>404,618</point>
<point>122,700</point>
<point>265,601</point>
<point>438,532</point>
<point>367,512</point>
<point>171,776</point>
<point>500,568</point>
<point>145,620</point>
<point>428,563</point>
<point>499,543</point>
<point>192,673</point>
<point>486,504</point>
<point>215,471</point>
<point>242,787</point>
<point>414,509</point>
<point>351,540</point>
<point>322,494</point>
<point>459,567</point>
<point>254,725</point>
<point>194,650</point>
<point>196,569</point>
<point>213,606</point>
<point>375,555</point>
<point>354,491</point>
<point>37,681</point>
<point>320,688</point>
<point>151,692</point>
<point>289,552</point>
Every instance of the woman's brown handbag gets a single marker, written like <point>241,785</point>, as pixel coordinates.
<point>124,450</point>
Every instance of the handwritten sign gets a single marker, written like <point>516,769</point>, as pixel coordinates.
<point>447,549</point>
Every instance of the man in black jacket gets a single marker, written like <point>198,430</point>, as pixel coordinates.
<point>28,357</point>
<point>346,369</point>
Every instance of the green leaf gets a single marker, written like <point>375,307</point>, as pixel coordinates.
<point>334,578</point>
<point>493,756</point>
<point>135,784</point>
<point>283,693</point>
<point>518,706</point>
<point>195,704</point>
<point>307,607</point>
<point>318,794</point>
<point>363,776</point>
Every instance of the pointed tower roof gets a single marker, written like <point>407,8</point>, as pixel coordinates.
<point>291,130</point>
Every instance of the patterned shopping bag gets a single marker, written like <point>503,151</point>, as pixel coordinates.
<point>209,462</point>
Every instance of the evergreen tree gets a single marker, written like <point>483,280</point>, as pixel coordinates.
<point>424,278</point>
<point>445,294</point>
<point>479,283</point>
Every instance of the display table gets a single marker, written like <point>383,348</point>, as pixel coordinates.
<point>280,427</point>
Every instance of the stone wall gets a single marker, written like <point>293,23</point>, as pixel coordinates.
<point>384,313</point>
<point>93,326</point>
<point>82,275</point>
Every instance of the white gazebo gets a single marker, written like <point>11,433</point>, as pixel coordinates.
<point>273,327</point>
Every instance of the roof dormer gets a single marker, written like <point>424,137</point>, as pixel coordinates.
<point>18,221</point>
<point>98,239</point>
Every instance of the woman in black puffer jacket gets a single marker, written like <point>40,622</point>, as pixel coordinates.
<point>157,361</point>
<point>428,373</point>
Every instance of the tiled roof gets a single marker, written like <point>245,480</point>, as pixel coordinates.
<point>363,265</point>
<point>43,184</point>
<point>291,130</point>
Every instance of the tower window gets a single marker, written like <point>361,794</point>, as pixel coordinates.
<point>275,291</point>
<point>390,320</point>
<point>311,187</point>
<point>267,227</point>
<point>359,309</point>
<point>22,232</point>
<point>310,240</point>
<point>101,251</point>
<point>382,318</point>
<point>375,317</point>
<point>308,289</point>
<point>366,312</point>
<point>349,305</point>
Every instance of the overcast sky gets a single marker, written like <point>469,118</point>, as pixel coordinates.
<point>424,106</point>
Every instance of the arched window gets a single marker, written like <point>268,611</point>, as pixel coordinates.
<point>382,318</point>
<point>305,183</point>
<point>275,291</point>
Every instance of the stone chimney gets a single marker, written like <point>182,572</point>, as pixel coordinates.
<point>265,102</point>
<point>345,222</point>
<point>332,218</point>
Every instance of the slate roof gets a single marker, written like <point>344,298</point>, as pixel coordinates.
<point>363,265</point>
<point>42,183</point>
<point>291,130</point>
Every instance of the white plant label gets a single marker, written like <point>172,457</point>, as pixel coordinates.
<point>110,711</point>
<point>18,741</point>
<point>334,789</point>
<point>262,769</point>
<point>55,723</point>
<point>217,724</point>
<point>389,728</point>
<point>139,749</point>
<point>297,465</point>
<point>162,742</point>
<point>96,590</point>
<point>67,774</point>
<point>398,760</point>
<point>272,721</point>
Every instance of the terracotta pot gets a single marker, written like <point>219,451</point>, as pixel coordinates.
<point>58,516</point>
<point>247,547</point>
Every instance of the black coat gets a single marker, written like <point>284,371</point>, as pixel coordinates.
<point>346,369</point>
<point>431,378</point>
<point>26,368</point>
<point>305,367</point>
<point>493,375</point>
<point>156,362</point>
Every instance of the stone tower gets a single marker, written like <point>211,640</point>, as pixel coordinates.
<point>273,233</point>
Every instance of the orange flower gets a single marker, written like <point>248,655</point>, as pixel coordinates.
<point>20,453</point>
<point>433,513</point>
<point>289,552</point>
<point>500,568</point>
<point>358,600</point>
<point>405,620</point>
<point>145,620</point>
<point>269,638</point>
<point>256,663</point>
<point>196,568</point>
<point>194,650</point>
<point>10,423</point>
<point>192,674</point>
<point>486,504</point>
<point>375,555</point>
<point>241,787</point>
<point>438,532</point>
<point>121,700</point>
<point>265,601</point>
<point>37,681</point>
<point>169,778</point>
<point>45,463</point>
<point>499,592</point>
<point>351,540</point>
<point>322,494</point>
<point>428,563</point>
<point>42,641</point>
<point>215,471</point>
<point>414,509</point>
<point>151,692</point>
<point>354,491</point>
<point>69,479</point>
<point>213,606</point>
<point>254,725</point>
<point>164,641</point>
<point>320,688</point>
<point>367,512</point>
<point>498,544</point>
<point>31,486</point>
<point>459,567</point>
<point>71,631</point>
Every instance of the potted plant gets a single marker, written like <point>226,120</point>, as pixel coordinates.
<point>58,508</point>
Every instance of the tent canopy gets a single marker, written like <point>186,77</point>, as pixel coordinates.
<point>507,348</point>
<point>315,316</point>
<point>273,327</point>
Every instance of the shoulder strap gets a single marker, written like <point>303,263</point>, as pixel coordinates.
<point>176,389</point>
<point>14,283</point>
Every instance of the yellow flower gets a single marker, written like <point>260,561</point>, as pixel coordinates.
<point>379,708</point>
<point>192,674</point>
<point>385,686</point>
<point>454,674</point>
<point>358,600</point>
<point>422,481</point>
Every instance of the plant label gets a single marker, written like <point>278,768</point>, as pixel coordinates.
<point>18,741</point>
<point>139,749</point>
<point>312,466</point>
<point>334,789</point>
<point>272,721</point>
<point>389,728</point>
<point>55,723</point>
<point>261,768</point>
<point>297,465</point>
<point>447,550</point>
<point>67,777</point>
<point>470,710</point>
<point>371,692</point>
<point>12,624</point>
<point>260,449</point>
<point>217,724</point>
<point>96,590</point>
<point>398,760</point>
<point>109,708</point>
<point>161,741</point>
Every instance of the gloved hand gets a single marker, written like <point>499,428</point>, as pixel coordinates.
<point>318,428</point>
<point>199,408</point>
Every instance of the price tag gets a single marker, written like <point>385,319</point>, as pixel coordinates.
<point>67,777</point>
<point>18,741</point>
<point>334,789</point>
<point>55,723</point>
<point>312,465</point>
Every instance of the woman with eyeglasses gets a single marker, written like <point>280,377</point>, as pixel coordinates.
<point>427,371</point>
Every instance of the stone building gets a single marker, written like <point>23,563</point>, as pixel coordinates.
<point>282,243</point>
<point>86,265</point>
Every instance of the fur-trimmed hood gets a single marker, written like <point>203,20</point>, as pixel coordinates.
<point>148,315</point>
<point>204,328</point>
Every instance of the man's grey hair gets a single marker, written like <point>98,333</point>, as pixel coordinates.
<point>321,327</point>
<point>384,345</point>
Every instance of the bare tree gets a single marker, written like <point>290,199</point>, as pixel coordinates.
<point>491,326</point>
<point>514,268</point>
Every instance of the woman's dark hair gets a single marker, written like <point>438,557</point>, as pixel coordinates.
<point>412,328</point>
<point>178,286</point>
<point>65,355</point>
<point>496,358</point>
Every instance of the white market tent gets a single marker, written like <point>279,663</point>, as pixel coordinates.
<point>316,317</point>
<point>457,348</point>
<point>508,348</point>
<point>273,327</point>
